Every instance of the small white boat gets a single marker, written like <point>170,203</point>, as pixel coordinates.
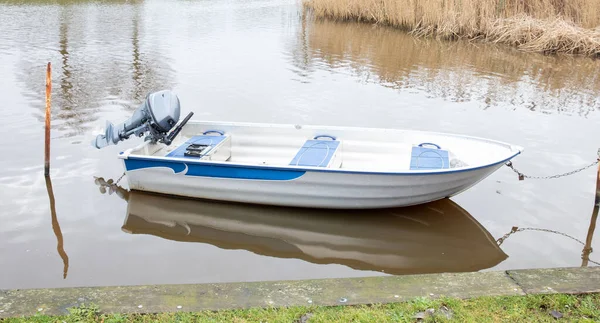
<point>305,166</point>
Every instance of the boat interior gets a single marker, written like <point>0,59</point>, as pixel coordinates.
<point>327,147</point>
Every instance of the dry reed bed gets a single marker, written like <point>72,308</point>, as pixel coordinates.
<point>549,26</point>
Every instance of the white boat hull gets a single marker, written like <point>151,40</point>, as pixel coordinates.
<point>270,182</point>
<point>313,189</point>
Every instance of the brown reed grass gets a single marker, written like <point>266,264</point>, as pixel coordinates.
<point>549,26</point>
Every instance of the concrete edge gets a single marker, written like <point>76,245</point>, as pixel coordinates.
<point>320,292</point>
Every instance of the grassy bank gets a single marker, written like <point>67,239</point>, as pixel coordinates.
<point>538,308</point>
<point>531,25</point>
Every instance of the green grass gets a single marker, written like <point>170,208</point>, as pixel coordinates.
<point>532,308</point>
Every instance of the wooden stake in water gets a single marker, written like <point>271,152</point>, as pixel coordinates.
<point>47,139</point>
<point>588,241</point>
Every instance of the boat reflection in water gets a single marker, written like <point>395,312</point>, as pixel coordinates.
<point>435,237</point>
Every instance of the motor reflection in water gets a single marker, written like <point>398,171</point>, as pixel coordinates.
<point>431,238</point>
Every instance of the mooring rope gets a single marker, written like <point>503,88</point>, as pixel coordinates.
<point>118,180</point>
<point>516,229</point>
<point>587,250</point>
<point>523,176</point>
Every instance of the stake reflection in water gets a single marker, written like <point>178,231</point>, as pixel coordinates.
<point>437,237</point>
<point>56,227</point>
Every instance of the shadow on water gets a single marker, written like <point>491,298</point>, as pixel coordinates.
<point>432,238</point>
<point>56,227</point>
<point>457,71</point>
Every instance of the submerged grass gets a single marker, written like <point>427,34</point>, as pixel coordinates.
<point>531,308</point>
<point>549,26</point>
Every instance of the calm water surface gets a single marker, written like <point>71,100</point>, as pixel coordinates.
<point>267,61</point>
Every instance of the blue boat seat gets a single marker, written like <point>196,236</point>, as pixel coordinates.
<point>429,158</point>
<point>318,153</point>
<point>205,146</point>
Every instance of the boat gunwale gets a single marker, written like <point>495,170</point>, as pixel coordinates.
<point>316,169</point>
<point>517,150</point>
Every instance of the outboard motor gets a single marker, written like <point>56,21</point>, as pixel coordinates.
<point>156,116</point>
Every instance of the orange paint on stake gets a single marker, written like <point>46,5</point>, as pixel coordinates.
<point>47,141</point>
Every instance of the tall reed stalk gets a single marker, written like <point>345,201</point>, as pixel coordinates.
<point>532,25</point>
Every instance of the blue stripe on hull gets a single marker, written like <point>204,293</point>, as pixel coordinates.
<point>239,172</point>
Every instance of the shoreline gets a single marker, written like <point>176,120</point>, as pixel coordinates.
<point>149,299</point>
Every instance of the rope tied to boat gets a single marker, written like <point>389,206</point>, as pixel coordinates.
<point>517,229</point>
<point>120,178</point>
<point>523,176</point>
<point>514,230</point>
